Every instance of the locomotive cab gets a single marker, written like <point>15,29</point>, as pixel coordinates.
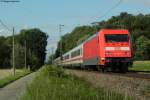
<point>117,45</point>
<point>118,52</point>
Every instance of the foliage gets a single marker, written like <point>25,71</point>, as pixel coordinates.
<point>19,55</point>
<point>71,40</point>
<point>36,42</point>
<point>51,59</point>
<point>143,48</point>
<point>5,51</point>
<point>138,25</point>
<point>59,86</point>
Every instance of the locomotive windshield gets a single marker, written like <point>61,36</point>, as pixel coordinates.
<point>116,38</point>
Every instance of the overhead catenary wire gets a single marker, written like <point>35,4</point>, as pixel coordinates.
<point>112,8</point>
<point>9,1</point>
<point>5,26</point>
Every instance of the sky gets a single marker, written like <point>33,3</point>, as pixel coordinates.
<point>48,14</point>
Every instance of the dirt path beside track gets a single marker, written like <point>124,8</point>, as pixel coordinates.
<point>139,88</point>
<point>14,90</point>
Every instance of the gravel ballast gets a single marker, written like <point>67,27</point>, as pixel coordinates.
<point>136,87</point>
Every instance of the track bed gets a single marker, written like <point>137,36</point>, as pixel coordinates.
<point>134,84</point>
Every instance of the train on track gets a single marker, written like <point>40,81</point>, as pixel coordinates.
<point>107,49</point>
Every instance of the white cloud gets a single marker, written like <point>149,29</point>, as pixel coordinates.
<point>4,32</point>
<point>143,2</point>
<point>52,45</point>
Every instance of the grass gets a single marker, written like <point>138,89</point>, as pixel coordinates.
<point>141,66</point>
<point>146,91</point>
<point>52,83</point>
<point>5,72</point>
<point>11,78</point>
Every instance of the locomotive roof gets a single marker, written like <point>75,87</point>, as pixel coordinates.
<point>91,37</point>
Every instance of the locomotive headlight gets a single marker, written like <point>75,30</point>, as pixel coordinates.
<point>102,58</point>
<point>125,48</point>
<point>109,48</point>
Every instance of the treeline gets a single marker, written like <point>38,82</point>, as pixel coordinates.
<point>138,25</point>
<point>29,42</point>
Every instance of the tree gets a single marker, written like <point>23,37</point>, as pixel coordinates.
<point>50,60</point>
<point>5,52</point>
<point>19,56</point>
<point>36,42</point>
<point>143,50</point>
<point>74,38</point>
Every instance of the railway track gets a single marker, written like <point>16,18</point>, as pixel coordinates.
<point>141,75</point>
<point>132,74</point>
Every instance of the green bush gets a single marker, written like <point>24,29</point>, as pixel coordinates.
<point>53,71</point>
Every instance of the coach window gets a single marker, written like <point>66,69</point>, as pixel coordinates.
<point>75,53</point>
<point>78,52</point>
<point>81,51</point>
<point>72,54</point>
<point>66,57</point>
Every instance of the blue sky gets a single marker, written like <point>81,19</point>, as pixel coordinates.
<point>48,14</point>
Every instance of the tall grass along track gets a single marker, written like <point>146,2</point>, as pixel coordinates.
<point>136,87</point>
<point>52,83</point>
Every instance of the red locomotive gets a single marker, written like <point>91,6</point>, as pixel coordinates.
<point>109,48</point>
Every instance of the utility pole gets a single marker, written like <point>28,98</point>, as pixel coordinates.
<point>60,30</point>
<point>52,58</point>
<point>13,38</point>
<point>95,24</point>
<point>13,42</point>
<point>25,54</point>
